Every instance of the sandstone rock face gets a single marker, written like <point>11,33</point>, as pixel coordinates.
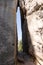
<point>34,17</point>
<point>35,26</point>
<point>7,31</point>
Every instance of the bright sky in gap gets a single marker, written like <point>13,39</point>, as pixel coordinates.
<point>18,24</point>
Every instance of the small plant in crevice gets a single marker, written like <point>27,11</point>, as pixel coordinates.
<point>20,47</point>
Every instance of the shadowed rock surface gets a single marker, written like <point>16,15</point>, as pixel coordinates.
<point>7,32</point>
<point>24,59</point>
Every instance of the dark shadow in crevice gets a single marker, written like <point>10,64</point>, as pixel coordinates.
<point>28,48</point>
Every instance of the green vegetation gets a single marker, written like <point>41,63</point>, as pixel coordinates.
<point>20,47</point>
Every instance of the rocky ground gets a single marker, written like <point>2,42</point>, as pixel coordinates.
<point>24,59</point>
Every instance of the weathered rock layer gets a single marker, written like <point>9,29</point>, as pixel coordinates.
<point>33,28</point>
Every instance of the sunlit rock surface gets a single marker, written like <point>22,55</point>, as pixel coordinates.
<point>33,28</point>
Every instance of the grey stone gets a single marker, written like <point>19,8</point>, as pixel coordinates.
<point>8,32</point>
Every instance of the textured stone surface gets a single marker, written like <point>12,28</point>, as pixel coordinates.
<point>7,32</point>
<point>34,19</point>
<point>32,30</point>
<point>35,27</point>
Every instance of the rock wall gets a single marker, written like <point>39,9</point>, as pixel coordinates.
<point>8,32</point>
<point>32,28</point>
